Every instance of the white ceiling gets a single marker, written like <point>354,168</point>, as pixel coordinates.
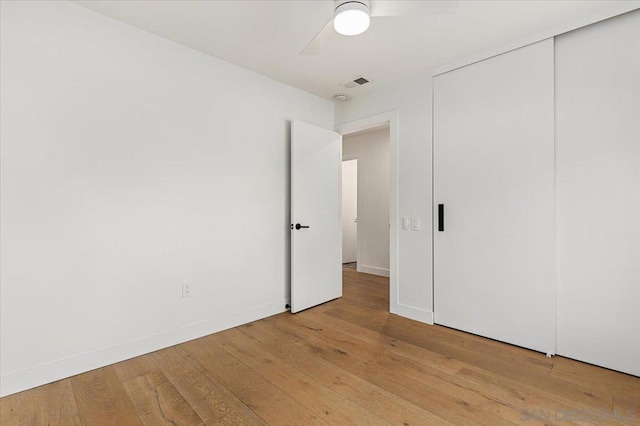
<point>267,35</point>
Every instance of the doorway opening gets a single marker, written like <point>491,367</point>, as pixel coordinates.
<point>365,200</point>
<point>349,212</point>
<point>387,122</point>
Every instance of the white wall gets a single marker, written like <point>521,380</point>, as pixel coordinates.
<point>372,151</point>
<point>131,164</point>
<point>412,100</point>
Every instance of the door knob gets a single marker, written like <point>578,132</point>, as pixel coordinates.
<point>298,226</point>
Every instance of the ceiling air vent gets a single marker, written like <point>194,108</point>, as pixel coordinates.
<point>360,81</point>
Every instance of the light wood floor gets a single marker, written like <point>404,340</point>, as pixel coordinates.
<point>345,362</point>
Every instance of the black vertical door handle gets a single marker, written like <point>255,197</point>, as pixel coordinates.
<point>441,217</point>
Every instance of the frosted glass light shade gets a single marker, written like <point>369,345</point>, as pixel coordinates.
<point>351,19</point>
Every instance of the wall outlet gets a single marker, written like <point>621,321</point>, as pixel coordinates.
<point>415,223</point>
<point>186,290</point>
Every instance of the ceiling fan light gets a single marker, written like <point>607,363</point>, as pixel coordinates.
<point>351,18</point>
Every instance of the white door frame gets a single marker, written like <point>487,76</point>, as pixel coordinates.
<point>390,117</point>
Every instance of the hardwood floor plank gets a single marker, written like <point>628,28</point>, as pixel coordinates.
<point>446,390</point>
<point>52,404</point>
<point>626,407</point>
<point>408,388</point>
<point>529,400</point>
<point>158,402</point>
<point>524,371</point>
<point>18,409</point>
<point>494,357</point>
<point>102,400</point>
<point>394,346</point>
<point>211,400</point>
<point>321,400</point>
<point>379,401</point>
<point>446,339</point>
<point>594,376</point>
<point>135,367</point>
<point>155,398</point>
<point>267,400</point>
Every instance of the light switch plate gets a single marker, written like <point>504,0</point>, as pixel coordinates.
<point>415,223</point>
<point>405,223</point>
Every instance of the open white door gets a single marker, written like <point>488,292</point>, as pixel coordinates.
<point>316,234</point>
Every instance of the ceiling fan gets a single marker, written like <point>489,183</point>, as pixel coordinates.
<point>352,17</point>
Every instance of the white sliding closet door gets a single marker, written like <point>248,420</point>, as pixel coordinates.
<point>494,271</point>
<point>598,162</point>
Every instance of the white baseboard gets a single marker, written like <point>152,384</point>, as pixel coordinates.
<point>56,370</point>
<point>413,313</point>
<point>373,270</point>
